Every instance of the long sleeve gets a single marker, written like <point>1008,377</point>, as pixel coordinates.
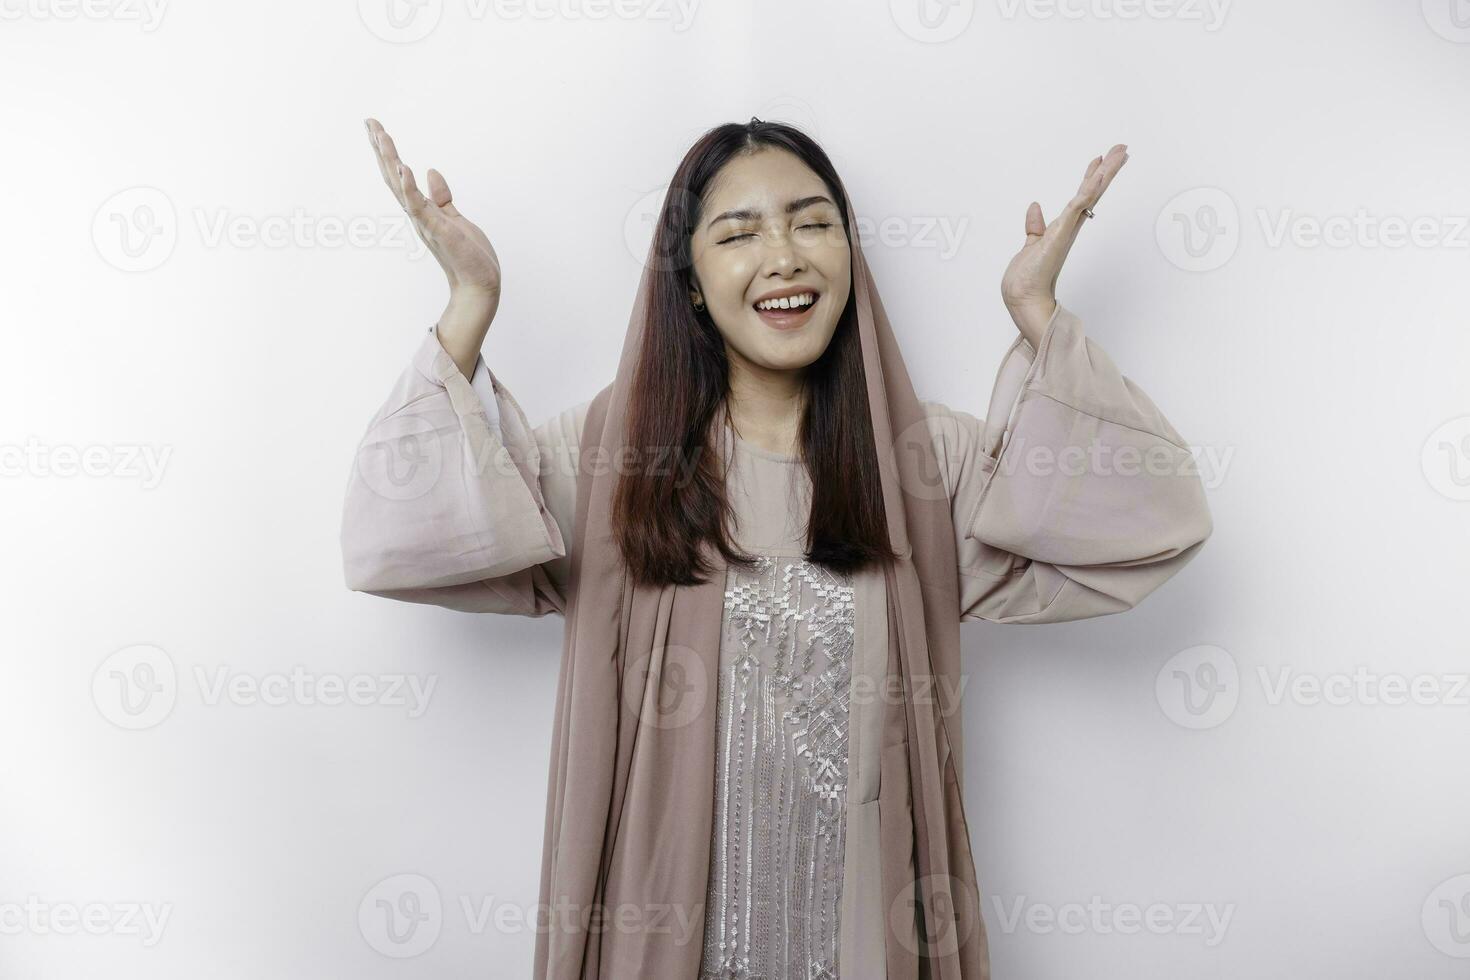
<point>1075,497</point>
<point>455,500</point>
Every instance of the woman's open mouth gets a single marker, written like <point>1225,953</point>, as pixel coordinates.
<point>788,312</point>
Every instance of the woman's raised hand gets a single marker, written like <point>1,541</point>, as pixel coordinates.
<point>461,249</point>
<point>1030,281</point>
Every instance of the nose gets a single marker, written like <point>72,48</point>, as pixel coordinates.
<point>782,257</point>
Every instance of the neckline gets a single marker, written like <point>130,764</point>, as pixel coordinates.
<point>762,452</point>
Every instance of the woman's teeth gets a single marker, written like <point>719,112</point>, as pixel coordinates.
<point>788,302</point>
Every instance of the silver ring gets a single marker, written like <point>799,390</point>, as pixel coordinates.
<point>1088,212</point>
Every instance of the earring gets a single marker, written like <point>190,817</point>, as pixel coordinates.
<point>699,307</point>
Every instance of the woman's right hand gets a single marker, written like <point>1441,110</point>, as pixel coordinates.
<point>461,249</point>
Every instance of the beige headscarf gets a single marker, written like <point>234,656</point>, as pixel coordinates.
<point>631,799</point>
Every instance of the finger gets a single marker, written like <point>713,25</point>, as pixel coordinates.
<point>1100,175</point>
<point>391,171</point>
<point>375,136</point>
<point>413,198</point>
<point>387,160</point>
<point>373,127</point>
<point>1035,224</point>
<point>424,212</point>
<point>439,193</point>
<point>1106,175</point>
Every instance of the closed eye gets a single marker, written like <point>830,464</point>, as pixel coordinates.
<point>748,234</point>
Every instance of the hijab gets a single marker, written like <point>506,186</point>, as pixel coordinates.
<point>630,801</point>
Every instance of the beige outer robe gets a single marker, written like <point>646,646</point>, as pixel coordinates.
<point>1073,498</point>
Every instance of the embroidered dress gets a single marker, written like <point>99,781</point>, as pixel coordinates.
<point>776,864</point>
<point>773,910</point>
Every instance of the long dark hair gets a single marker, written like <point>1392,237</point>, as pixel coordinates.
<point>662,513</point>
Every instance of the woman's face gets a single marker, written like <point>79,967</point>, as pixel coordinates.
<point>769,227</point>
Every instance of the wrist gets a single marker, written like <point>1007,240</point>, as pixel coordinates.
<point>464,323</point>
<point>474,300</point>
<point>1031,318</point>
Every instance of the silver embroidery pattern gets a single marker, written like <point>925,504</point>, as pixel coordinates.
<point>775,887</point>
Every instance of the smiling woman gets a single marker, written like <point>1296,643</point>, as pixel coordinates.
<point>762,222</point>
<point>756,764</point>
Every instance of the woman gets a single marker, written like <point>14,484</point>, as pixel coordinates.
<point>763,544</point>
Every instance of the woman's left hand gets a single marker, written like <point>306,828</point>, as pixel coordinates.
<point>1030,281</point>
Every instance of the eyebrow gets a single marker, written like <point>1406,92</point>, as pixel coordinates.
<point>751,214</point>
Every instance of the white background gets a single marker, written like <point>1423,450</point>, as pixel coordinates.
<point>1332,831</point>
